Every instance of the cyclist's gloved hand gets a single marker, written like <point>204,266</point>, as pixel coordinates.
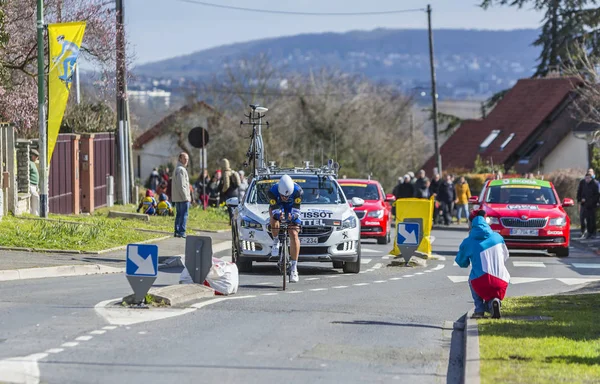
<point>276,214</point>
<point>296,216</point>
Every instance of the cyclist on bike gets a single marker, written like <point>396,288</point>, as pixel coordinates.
<point>285,198</point>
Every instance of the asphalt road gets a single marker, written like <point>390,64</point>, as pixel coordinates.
<point>382,325</point>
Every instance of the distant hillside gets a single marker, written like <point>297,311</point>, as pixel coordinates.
<point>469,62</point>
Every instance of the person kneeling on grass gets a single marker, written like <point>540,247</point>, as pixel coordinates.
<point>164,208</point>
<point>486,251</point>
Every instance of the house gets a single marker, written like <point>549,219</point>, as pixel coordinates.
<point>532,129</point>
<point>161,144</point>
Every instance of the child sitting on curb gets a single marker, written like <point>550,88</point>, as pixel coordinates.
<point>148,203</point>
<point>164,208</point>
<point>486,251</point>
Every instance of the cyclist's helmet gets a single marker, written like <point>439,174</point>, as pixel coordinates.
<point>285,186</point>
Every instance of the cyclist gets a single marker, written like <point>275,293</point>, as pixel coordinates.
<point>285,198</point>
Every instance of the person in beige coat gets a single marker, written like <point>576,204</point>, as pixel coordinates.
<point>180,194</point>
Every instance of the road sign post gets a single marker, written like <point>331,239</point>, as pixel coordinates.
<point>141,269</point>
<point>409,236</point>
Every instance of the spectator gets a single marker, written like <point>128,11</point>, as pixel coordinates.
<point>486,252</point>
<point>435,185</point>
<point>499,175</point>
<point>422,185</point>
<point>201,186</point>
<point>162,187</point>
<point>181,194</point>
<point>165,174</point>
<point>213,192</point>
<point>463,193</point>
<point>405,189</point>
<point>229,184</point>
<point>412,177</point>
<point>589,197</point>
<point>446,196</point>
<point>34,177</point>
<point>148,203</point>
<point>243,184</point>
<point>154,179</point>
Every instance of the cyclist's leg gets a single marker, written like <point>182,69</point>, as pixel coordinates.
<point>275,233</point>
<point>294,239</point>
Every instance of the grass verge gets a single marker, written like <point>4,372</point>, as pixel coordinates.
<point>102,233</point>
<point>565,349</point>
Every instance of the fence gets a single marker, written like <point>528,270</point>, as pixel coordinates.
<point>104,154</point>
<point>8,169</point>
<point>63,187</point>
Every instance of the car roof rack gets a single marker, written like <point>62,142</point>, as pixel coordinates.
<point>331,169</point>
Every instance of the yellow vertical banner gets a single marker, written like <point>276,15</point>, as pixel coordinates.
<point>64,43</point>
<point>415,209</point>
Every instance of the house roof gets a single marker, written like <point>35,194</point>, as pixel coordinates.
<point>160,127</point>
<point>522,110</point>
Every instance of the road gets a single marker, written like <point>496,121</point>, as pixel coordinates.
<point>385,324</point>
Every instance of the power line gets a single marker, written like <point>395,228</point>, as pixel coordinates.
<point>276,12</point>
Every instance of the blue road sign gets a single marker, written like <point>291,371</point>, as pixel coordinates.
<point>408,234</point>
<point>142,260</point>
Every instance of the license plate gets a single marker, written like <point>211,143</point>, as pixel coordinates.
<point>524,232</point>
<point>309,240</point>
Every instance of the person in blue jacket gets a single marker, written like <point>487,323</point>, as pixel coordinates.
<point>486,252</point>
<point>285,198</point>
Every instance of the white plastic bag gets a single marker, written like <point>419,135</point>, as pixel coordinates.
<point>223,277</point>
<point>185,277</point>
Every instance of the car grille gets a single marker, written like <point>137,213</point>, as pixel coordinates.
<point>513,222</point>
<point>360,214</point>
<point>315,231</point>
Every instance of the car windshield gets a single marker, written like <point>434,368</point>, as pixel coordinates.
<point>363,191</point>
<point>317,190</point>
<point>520,194</point>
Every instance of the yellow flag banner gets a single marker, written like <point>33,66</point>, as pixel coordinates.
<point>415,209</point>
<point>65,43</point>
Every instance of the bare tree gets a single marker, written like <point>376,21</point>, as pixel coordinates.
<point>583,68</point>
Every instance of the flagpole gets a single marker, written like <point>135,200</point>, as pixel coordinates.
<point>41,112</point>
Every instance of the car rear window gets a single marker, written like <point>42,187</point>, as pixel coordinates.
<point>316,190</point>
<point>363,191</point>
<point>520,194</point>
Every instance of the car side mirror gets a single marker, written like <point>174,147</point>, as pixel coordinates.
<point>567,202</point>
<point>473,199</point>
<point>390,198</point>
<point>233,202</point>
<point>357,202</point>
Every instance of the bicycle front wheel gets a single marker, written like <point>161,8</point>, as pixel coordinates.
<point>285,260</point>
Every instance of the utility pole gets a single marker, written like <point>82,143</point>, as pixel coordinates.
<point>436,144</point>
<point>43,142</point>
<point>121,111</point>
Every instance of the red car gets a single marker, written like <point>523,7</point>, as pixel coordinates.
<point>527,213</point>
<point>375,214</point>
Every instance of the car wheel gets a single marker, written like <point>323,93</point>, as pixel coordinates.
<point>561,252</point>
<point>353,266</point>
<point>242,265</point>
<point>382,240</point>
<point>338,264</point>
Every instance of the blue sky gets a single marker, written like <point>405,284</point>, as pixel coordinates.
<point>159,29</point>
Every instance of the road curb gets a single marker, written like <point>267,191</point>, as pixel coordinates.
<point>59,271</point>
<point>471,349</point>
<point>177,295</point>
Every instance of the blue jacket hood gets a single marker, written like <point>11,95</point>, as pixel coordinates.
<point>480,229</point>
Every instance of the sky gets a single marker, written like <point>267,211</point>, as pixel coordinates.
<point>160,29</point>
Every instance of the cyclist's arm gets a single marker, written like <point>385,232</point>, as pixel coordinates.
<point>297,195</point>
<point>274,206</point>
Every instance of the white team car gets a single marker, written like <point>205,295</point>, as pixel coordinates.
<point>330,229</point>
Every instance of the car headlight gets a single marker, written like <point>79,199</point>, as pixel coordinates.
<point>252,224</point>
<point>492,220</point>
<point>350,222</point>
<point>377,214</point>
<point>558,221</point>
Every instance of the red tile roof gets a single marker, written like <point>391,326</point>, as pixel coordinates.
<point>522,110</point>
<point>160,127</point>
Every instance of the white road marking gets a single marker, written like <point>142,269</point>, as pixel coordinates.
<point>362,272</point>
<point>110,327</point>
<point>269,294</point>
<point>522,280</point>
<point>99,332</point>
<point>419,273</point>
<point>377,266</point>
<point>535,264</point>
<point>142,332</point>
<point>385,257</point>
<point>438,267</point>
<point>84,338</point>
<point>312,278</point>
<point>369,250</point>
<point>317,289</point>
<point>265,283</point>
<point>458,279</point>
<point>21,369</point>
<point>55,350</point>
<point>70,344</point>
<point>360,284</point>
<point>332,276</point>
<point>340,287</point>
<point>455,264</point>
<point>409,275</point>
<point>395,278</point>
<point>370,270</point>
<point>577,281</point>
<point>294,291</point>
<point>380,281</point>
<point>586,266</point>
<point>429,270</point>
<point>365,261</point>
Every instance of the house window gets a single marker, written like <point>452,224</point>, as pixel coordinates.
<point>505,143</point>
<point>488,140</point>
<point>530,152</point>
